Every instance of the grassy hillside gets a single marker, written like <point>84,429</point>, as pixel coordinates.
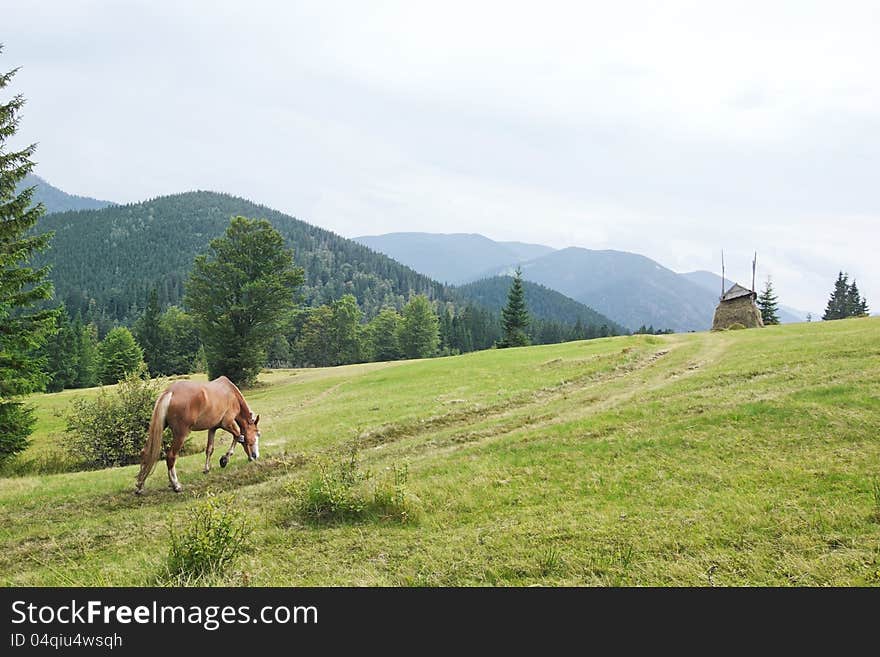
<point>543,302</point>
<point>744,457</point>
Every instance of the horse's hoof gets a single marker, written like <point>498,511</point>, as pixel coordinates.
<point>224,461</point>
<point>138,491</point>
<point>177,489</point>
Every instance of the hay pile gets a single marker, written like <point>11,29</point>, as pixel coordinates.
<point>737,311</point>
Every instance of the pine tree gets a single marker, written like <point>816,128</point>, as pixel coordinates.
<point>118,355</point>
<point>836,308</point>
<point>242,294</point>
<point>853,305</point>
<point>86,354</point>
<point>767,303</point>
<point>148,333</point>
<point>515,316</point>
<point>61,354</point>
<point>419,329</point>
<point>23,326</point>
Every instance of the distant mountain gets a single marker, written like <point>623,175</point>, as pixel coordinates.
<point>105,262</point>
<point>111,258</point>
<point>452,258</point>
<point>629,288</point>
<point>712,282</point>
<point>543,303</point>
<point>56,200</point>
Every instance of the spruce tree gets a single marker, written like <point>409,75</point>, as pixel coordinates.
<point>61,355</point>
<point>86,353</point>
<point>515,316</point>
<point>24,325</point>
<point>854,306</point>
<point>243,294</point>
<point>148,333</point>
<point>836,308</point>
<point>767,303</point>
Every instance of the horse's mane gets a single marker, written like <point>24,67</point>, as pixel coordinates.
<point>245,409</point>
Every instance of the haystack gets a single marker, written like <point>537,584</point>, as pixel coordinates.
<point>737,306</point>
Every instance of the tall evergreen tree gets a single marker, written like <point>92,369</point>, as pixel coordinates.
<point>61,354</point>
<point>242,294</point>
<point>854,305</point>
<point>768,305</point>
<point>180,337</point>
<point>515,315</point>
<point>86,353</point>
<point>836,308</point>
<point>23,326</point>
<point>148,333</point>
<point>419,329</point>
<point>345,331</point>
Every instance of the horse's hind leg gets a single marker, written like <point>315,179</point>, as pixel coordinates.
<point>171,458</point>
<point>209,449</point>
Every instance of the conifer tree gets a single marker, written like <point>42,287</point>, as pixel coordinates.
<point>61,354</point>
<point>515,316</point>
<point>86,353</point>
<point>23,325</point>
<point>148,333</point>
<point>768,305</point>
<point>836,308</point>
<point>854,305</point>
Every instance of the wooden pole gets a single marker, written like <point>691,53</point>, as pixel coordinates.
<point>722,273</point>
<point>754,267</point>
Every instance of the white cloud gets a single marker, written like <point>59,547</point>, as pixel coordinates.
<point>670,129</point>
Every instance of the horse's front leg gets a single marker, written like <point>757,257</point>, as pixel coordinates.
<point>233,428</point>
<point>209,450</point>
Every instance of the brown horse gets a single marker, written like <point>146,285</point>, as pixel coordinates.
<point>187,406</point>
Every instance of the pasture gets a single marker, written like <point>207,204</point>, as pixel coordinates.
<point>730,458</point>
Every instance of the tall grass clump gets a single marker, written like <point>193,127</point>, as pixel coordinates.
<point>211,541</point>
<point>338,491</point>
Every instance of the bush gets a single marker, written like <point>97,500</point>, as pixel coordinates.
<point>111,429</point>
<point>212,540</point>
<point>340,492</point>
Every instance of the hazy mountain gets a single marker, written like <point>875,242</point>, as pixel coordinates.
<point>712,282</point>
<point>453,258</point>
<point>543,303</point>
<point>56,200</point>
<point>629,288</point>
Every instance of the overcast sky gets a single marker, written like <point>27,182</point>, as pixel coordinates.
<point>667,129</point>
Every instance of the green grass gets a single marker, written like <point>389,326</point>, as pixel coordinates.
<point>732,458</point>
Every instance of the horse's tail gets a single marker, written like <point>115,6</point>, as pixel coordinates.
<point>150,452</point>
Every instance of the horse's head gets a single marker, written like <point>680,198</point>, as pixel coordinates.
<point>251,441</point>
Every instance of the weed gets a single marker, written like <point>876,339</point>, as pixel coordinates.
<point>339,491</point>
<point>212,540</point>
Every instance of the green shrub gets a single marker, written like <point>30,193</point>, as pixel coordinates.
<point>111,429</point>
<point>213,538</point>
<point>338,491</point>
